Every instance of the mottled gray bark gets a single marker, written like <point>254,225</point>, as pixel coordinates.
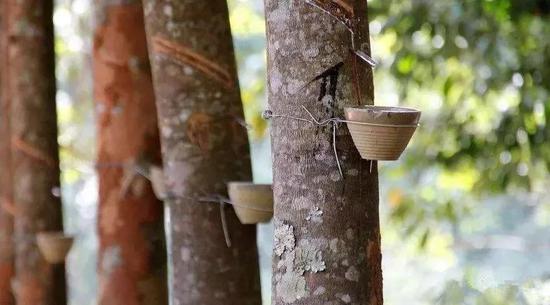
<point>327,236</point>
<point>204,146</point>
<point>31,87</point>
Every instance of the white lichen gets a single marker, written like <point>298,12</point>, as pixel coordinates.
<point>315,214</point>
<point>284,239</point>
<point>319,291</point>
<point>291,287</point>
<point>308,258</point>
<point>318,264</point>
<point>346,298</point>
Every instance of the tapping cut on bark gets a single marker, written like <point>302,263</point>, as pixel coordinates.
<point>346,6</point>
<point>338,9</point>
<point>327,234</point>
<point>34,153</point>
<point>132,253</point>
<point>204,147</point>
<point>9,207</point>
<point>30,83</point>
<point>185,55</point>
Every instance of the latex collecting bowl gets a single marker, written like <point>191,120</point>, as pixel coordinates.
<point>54,246</point>
<point>381,132</point>
<point>253,203</point>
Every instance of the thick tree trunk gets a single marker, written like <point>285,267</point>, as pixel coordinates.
<point>6,218</point>
<point>30,81</point>
<point>132,255</point>
<point>204,146</point>
<point>327,236</point>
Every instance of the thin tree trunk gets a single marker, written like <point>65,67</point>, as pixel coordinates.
<point>132,254</point>
<point>6,219</point>
<point>31,85</point>
<point>327,236</point>
<point>204,146</point>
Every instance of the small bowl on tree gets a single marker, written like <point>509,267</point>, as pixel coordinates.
<point>253,203</point>
<point>54,246</point>
<point>381,132</point>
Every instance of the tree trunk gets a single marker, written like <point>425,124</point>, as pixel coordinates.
<point>327,236</point>
<point>132,254</point>
<point>30,82</point>
<point>204,146</point>
<point>6,218</point>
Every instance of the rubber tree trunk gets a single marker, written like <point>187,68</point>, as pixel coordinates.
<point>132,254</point>
<point>327,236</point>
<point>204,146</point>
<point>6,208</point>
<point>31,84</point>
<point>6,218</point>
<point>6,201</point>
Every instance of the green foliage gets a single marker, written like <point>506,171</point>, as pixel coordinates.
<point>480,72</point>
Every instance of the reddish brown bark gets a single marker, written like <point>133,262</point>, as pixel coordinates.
<point>30,82</point>
<point>204,147</point>
<point>132,252</point>
<point>6,219</point>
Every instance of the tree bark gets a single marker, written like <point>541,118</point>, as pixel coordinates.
<point>204,146</point>
<point>6,218</point>
<point>30,81</point>
<point>132,254</point>
<point>327,236</point>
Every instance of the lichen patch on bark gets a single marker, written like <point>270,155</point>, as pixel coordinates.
<point>291,287</point>
<point>284,239</point>
<point>307,256</point>
<point>315,214</point>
